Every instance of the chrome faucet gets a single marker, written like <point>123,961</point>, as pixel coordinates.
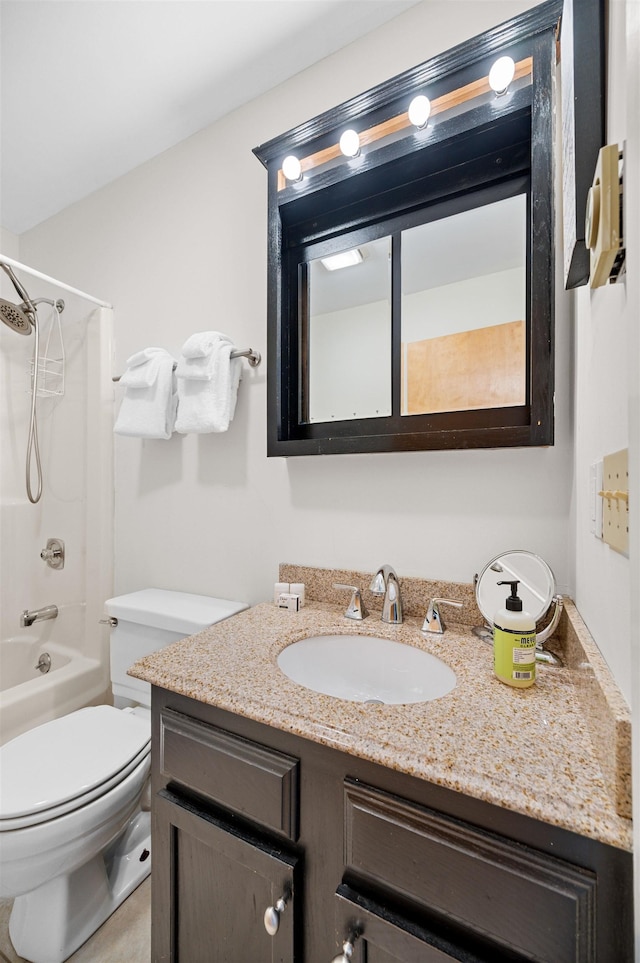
<point>38,615</point>
<point>385,582</point>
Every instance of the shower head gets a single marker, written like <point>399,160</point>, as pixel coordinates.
<point>14,316</point>
<point>19,317</point>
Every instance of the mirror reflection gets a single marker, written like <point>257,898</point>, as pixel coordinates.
<point>464,310</point>
<point>536,588</point>
<point>349,335</point>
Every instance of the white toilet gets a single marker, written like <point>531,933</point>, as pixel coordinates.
<point>74,792</point>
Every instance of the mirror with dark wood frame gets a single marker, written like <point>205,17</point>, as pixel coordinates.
<point>441,332</point>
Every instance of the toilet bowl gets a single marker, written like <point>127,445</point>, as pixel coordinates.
<point>74,792</point>
<point>57,825</point>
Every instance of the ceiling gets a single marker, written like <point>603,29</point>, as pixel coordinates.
<point>90,89</point>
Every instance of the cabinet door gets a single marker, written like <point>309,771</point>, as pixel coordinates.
<point>211,886</point>
<point>384,937</point>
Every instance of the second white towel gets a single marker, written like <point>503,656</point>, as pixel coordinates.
<point>207,384</point>
<point>148,408</point>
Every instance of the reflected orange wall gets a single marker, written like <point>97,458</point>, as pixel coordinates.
<point>483,368</point>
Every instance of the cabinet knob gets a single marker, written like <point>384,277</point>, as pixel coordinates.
<point>347,950</point>
<point>272,916</point>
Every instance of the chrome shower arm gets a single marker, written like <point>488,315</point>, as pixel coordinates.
<point>20,289</point>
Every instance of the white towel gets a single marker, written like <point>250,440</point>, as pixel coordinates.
<point>148,408</point>
<point>207,385</point>
<point>200,345</point>
<point>200,355</point>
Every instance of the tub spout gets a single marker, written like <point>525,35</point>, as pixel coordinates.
<point>38,615</point>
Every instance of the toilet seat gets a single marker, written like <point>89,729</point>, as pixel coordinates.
<point>64,764</point>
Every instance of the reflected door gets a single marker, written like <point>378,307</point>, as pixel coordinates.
<point>349,338</point>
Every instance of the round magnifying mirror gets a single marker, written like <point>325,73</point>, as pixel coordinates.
<point>536,588</point>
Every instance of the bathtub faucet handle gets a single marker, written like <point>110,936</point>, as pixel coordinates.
<point>53,554</point>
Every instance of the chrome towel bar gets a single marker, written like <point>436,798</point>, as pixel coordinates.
<point>253,357</point>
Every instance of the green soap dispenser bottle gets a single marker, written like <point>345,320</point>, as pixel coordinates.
<point>514,642</point>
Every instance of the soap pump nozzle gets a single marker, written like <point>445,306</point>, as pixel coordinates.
<point>514,602</point>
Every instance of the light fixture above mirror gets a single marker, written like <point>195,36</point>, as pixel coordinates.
<point>419,110</point>
<point>291,168</point>
<point>350,143</point>
<point>501,74</point>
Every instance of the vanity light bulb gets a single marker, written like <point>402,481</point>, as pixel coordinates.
<point>291,168</point>
<point>501,74</point>
<point>350,143</point>
<point>419,110</point>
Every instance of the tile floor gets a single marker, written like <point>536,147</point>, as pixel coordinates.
<point>124,938</point>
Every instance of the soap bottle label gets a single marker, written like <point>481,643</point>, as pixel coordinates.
<point>514,656</point>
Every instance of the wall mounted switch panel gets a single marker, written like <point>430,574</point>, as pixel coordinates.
<point>615,500</point>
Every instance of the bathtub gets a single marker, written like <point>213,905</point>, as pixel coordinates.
<point>28,697</point>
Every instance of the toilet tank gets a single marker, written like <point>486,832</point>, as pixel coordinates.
<point>147,621</point>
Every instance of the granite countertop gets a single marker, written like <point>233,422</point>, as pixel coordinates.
<point>535,751</point>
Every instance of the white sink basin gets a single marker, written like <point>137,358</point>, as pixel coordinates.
<point>365,668</point>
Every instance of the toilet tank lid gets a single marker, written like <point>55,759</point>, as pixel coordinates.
<point>173,611</point>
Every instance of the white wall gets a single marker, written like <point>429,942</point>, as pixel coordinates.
<point>13,354</point>
<point>632,84</point>
<point>605,371</point>
<point>179,245</point>
<point>9,245</point>
<point>466,305</point>
<point>607,405</point>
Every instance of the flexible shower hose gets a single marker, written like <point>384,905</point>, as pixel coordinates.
<point>32,440</point>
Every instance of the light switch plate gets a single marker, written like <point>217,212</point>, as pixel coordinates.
<point>615,506</point>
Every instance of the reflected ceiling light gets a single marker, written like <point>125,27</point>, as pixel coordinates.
<point>343,260</point>
<point>419,110</point>
<point>350,143</point>
<point>291,168</point>
<point>501,75</point>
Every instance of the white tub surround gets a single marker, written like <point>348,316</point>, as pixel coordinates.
<point>76,506</point>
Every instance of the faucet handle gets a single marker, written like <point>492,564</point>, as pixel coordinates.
<point>433,619</point>
<point>355,609</point>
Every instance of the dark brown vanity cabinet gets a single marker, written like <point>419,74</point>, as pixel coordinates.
<point>400,870</point>
<point>225,880</point>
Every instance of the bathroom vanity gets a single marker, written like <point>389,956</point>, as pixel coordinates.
<point>481,826</point>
